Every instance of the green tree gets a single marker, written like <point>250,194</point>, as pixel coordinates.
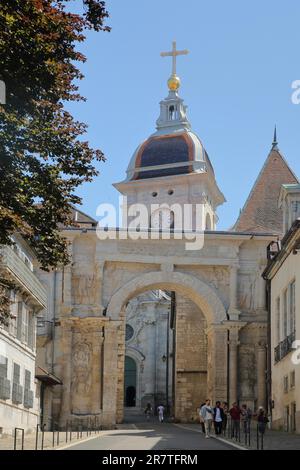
<point>43,156</point>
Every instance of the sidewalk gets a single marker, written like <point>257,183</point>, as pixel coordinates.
<point>273,440</point>
<point>50,441</point>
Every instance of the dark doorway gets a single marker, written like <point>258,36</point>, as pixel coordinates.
<point>130,383</point>
<point>130,397</point>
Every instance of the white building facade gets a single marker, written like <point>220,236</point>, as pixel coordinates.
<point>283,274</point>
<point>19,401</point>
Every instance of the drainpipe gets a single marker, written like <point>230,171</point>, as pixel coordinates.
<point>53,336</point>
<point>167,362</point>
<point>53,319</point>
<point>228,359</point>
<point>228,365</point>
<point>269,353</point>
<point>173,327</point>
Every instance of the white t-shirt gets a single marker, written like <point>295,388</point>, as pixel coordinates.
<point>161,410</point>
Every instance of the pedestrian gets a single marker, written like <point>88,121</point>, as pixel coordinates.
<point>246,415</point>
<point>201,419</point>
<point>235,414</point>
<point>262,420</point>
<point>148,411</point>
<point>207,415</point>
<point>218,418</point>
<point>225,414</point>
<point>161,410</point>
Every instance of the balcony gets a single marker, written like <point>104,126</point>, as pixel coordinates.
<point>284,348</point>
<point>23,275</point>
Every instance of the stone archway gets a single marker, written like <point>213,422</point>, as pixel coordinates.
<point>203,295</point>
<point>206,300</point>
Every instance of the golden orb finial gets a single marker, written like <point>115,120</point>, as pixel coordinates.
<point>174,83</point>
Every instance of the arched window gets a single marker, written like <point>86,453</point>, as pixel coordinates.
<point>173,113</point>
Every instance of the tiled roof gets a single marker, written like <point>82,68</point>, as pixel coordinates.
<point>165,150</point>
<point>261,212</point>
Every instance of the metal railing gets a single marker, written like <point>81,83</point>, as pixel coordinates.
<point>15,438</point>
<point>284,348</point>
<point>247,433</point>
<point>23,274</point>
<point>73,431</point>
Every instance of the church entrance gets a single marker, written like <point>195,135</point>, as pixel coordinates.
<point>165,354</point>
<point>130,383</point>
<point>171,325</point>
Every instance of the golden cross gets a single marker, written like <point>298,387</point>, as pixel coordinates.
<point>174,53</point>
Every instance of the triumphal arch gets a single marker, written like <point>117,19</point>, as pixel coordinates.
<point>218,317</point>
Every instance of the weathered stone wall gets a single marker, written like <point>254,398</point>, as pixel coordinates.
<point>191,360</point>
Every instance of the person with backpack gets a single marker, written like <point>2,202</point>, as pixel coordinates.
<point>262,420</point>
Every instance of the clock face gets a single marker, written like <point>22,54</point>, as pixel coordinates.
<point>162,219</point>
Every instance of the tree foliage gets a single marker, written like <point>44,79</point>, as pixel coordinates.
<point>43,156</point>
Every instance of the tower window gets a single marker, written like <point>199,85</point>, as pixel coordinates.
<point>173,113</point>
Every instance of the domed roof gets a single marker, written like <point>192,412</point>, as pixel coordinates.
<point>168,154</point>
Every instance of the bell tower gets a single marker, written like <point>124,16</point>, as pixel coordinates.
<point>171,169</point>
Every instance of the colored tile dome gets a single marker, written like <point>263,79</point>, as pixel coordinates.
<point>169,154</point>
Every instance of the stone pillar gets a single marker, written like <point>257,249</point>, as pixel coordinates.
<point>262,301</point>
<point>66,368</point>
<point>151,357</point>
<point>217,363</point>
<point>66,290</point>
<point>112,397</point>
<point>233,367</point>
<point>97,372</point>
<point>233,308</point>
<point>261,374</point>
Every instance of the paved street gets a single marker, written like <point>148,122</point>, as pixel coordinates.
<point>152,436</point>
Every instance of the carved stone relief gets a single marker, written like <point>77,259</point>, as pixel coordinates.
<point>81,375</point>
<point>247,372</point>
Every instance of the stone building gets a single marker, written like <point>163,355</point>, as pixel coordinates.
<point>219,329</point>
<point>19,389</point>
<point>283,276</point>
<point>148,352</point>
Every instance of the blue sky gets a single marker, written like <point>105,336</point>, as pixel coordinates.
<point>236,82</point>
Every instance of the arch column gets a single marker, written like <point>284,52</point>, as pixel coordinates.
<point>261,373</point>
<point>234,312</point>
<point>113,373</point>
<point>234,329</point>
<point>217,363</point>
